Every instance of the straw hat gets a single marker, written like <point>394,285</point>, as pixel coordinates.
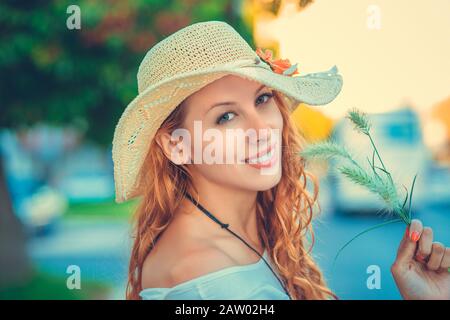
<point>183,63</point>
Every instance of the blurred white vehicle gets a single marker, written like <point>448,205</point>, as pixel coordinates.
<point>43,207</point>
<point>398,138</point>
<point>86,175</point>
<point>37,205</point>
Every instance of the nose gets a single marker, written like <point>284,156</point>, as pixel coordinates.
<point>259,129</point>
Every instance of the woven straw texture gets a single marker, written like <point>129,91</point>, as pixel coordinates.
<point>183,63</point>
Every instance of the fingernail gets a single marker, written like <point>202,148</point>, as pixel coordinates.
<point>407,231</point>
<point>415,236</point>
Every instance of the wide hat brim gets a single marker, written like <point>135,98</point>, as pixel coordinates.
<point>144,115</point>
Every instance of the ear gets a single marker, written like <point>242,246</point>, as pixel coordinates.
<point>175,145</point>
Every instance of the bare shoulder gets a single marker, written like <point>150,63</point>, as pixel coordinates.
<point>184,264</point>
<point>198,262</point>
<point>177,258</point>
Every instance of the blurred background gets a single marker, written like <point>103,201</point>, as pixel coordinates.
<point>62,90</point>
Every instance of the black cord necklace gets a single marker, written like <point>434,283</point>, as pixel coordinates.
<point>225,226</point>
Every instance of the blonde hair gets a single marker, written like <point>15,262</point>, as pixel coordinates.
<point>284,212</point>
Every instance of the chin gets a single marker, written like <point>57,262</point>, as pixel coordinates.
<point>265,182</point>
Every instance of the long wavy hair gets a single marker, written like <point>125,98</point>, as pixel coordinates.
<point>284,212</point>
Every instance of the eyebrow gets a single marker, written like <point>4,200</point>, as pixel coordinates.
<point>227,103</point>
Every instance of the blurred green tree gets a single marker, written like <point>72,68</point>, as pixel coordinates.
<point>83,78</point>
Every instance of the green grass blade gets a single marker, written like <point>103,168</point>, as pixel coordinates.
<point>361,233</point>
<point>373,169</point>
<point>385,171</point>
<point>406,198</point>
<point>410,196</point>
<point>373,159</point>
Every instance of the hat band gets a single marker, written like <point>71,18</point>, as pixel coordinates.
<point>255,62</point>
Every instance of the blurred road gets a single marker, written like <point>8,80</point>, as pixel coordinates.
<point>377,247</point>
<point>101,249</point>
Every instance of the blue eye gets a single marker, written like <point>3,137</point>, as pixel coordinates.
<point>266,95</point>
<point>225,117</point>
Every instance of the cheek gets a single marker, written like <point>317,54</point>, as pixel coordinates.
<point>272,115</point>
<point>220,174</point>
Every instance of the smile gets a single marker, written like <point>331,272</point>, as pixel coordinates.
<point>264,159</point>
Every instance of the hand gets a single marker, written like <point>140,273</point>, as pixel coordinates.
<point>421,267</point>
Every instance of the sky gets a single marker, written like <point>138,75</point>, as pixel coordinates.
<point>391,53</point>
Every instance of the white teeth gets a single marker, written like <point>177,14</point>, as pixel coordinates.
<point>263,158</point>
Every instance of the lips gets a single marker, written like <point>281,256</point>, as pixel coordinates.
<point>263,157</point>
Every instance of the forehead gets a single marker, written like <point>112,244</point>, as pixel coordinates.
<point>228,86</point>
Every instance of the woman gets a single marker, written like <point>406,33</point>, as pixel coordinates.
<point>236,229</point>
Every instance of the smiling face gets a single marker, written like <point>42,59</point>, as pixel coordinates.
<point>239,124</point>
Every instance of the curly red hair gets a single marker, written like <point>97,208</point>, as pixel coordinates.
<point>284,212</point>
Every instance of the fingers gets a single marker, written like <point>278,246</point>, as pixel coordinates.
<point>418,243</point>
<point>434,254</point>
<point>415,230</point>
<point>445,263</point>
<point>437,254</point>
<point>408,244</point>
<point>425,244</point>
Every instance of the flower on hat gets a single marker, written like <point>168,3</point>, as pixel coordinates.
<point>281,66</point>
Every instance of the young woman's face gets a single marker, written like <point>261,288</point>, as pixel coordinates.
<point>226,113</point>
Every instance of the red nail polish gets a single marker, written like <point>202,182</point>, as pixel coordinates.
<point>407,231</point>
<point>415,236</point>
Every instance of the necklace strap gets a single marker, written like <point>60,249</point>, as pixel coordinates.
<point>198,205</point>
<point>225,226</point>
